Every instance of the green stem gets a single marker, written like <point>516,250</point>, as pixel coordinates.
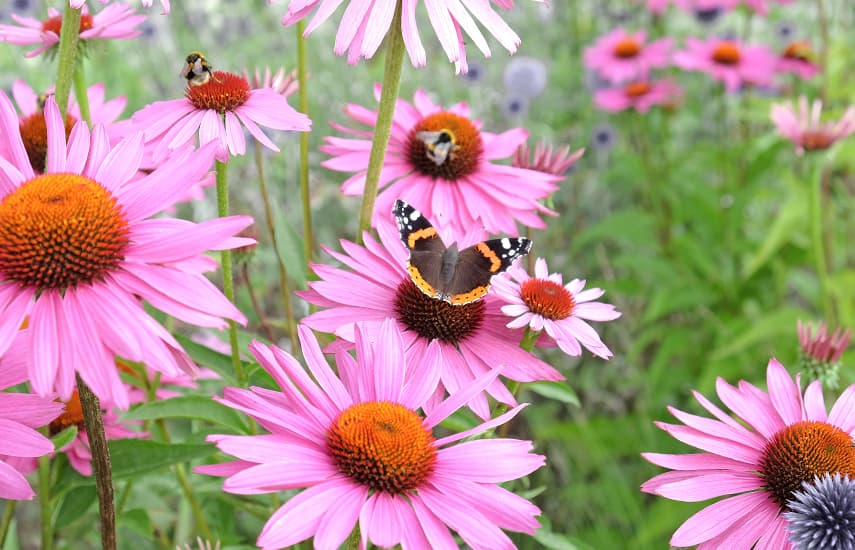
<point>529,339</point>
<point>81,93</point>
<point>817,241</point>
<point>69,35</point>
<point>353,540</point>
<point>123,498</point>
<point>93,420</point>
<point>823,48</point>
<point>228,275</point>
<point>284,290</point>
<point>302,77</point>
<point>8,514</point>
<point>383,126</point>
<point>527,343</point>
<point>45,504</point>
<point>256,305</point>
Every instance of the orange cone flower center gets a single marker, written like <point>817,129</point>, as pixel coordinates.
<point>223,92</point>
<point>636,89</point>
<point>71,416</point>
<point>382,445</point>
<point>34,135</point>
<point>547,298</point>
<point>726,53</point>
<point>627,48</point>
<point>802,451</point>
<point>54,24</point>
<point>445,145</point>
<point>60,230</point>
<point>436,319</point>
<point>816,140</point>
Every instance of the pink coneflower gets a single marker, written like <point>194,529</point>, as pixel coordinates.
<point>364,25</point>
<point>147,3</point>
<point>797,58</point>
<point>820,351</point>
<point>729,61</point>
<point>775,442</point>
<point>281,83</point>
<point>79,248</point>
<point>544,302</point>
<point>621,55</point>
<point>20,414</point>
<point>545,159</point>
<point>804,128</point>
<point>365,455</point>
<point>640,95</point>
<point>471,338</point>
<point>461,188</point>
<point>117,21</point>
<point>169,125</point>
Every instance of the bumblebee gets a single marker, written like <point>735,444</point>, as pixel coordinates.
<point>439,146</point>
<point>196,69</point>
<point>41,100</point>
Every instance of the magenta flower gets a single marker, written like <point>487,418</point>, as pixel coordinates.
<point>544,302</point>
<point>546,159</point>
<point>817,344</point>
<point>226,97</point>
<point>797,59</point>
<point>355,441</point>
<point>804,128</point>
<point>640,95</point>
<point>776,441</point>
<point>79,249</point>
<point>729,61</point>
<point>364,25</point>
<point>282,83</point>
<point>117,21</point>
<point>461,189</point>
<point>620,55</point>
<point>147,3</point>
<point>471,339</point>
<point>20,415</point>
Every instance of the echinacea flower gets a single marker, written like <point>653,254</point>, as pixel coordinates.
<point>79,249</point>
<point>820,351</point>
<point>729,61</point>
<point>822,514</point>
<point>525,77</point>
<point>640,95</point>
<point>281,83</point>
<point>804,128</point>
<point>545,303</point>
<point>355,440</point>
<point>471,338</point>
<point>218,110</point>
<point>20,415</point>
<point>797,58</point>
<point>620,55</point>
<point>546,159</point>
<point>758,459</point>
<point>364,25</point>
<point>463,189</point>
<point>117,21</point>
<point>147,3</point>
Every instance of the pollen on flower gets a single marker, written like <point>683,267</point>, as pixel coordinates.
<point>636,89</point>
<point>547,298</point>
<point>71,416</point>
<point>726,53</point>
<point>436,319</point>
<point>801,452</point>
<point>34,135</point>
<point>54,24</point>
<point>382,445</point>
<point>627,48</point>
<point>464,157</point>
<point>60,230</point>
<point>223,92</point>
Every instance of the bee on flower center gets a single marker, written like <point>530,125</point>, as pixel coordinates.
<point>196,69</point>
<point>439,146</point>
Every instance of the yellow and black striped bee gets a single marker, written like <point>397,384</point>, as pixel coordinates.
<point>196,69</point>
<point>438,145</point>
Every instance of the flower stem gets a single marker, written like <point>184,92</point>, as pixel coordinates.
<point>69,35</point>
<point>284,290</point>
<point>383,127</point>
<point>302,77</point>
<point>529,339</point>
<point>45,504</point>
<point>823,45</point>
<point>256,305</point>
<point>94,423</point>
<point>81,94</point>
<point>228,276</point>
<point>8,514</point>
<point>817,241</point>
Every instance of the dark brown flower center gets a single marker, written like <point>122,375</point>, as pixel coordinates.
<point>445,145</point>
<point>34,135</point>
<point>60,230</point>
<point>636,89</point>
<point>802,451</point>
<point>726,53</point>
<point>547,298</point>
<point>71,416</point>
<point>222,92</point>
<point>436,319</point>
<point>54,24</point>
<point>627,48</point>
<point>382,445</point>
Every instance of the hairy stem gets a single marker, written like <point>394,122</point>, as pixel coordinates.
<point>69,36</point>
<point>302,77</point>
<point>81,93</point>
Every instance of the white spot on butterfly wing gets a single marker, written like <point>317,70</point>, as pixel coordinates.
<point>506,243</point>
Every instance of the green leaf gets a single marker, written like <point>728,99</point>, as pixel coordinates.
<point>134,457</point>
<point>197,407</point>
<point>559,391</point>
<point>778,325</point>
<point>289,247</point>
<point>138,521</point>
<point>790,220</point>
<point>64,437</point>
<point>75,504</point>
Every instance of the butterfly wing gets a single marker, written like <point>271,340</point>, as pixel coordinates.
<point>425,247</point>
<point>477,264</point>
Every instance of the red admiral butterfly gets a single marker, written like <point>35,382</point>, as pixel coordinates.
<point>444,273</point>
